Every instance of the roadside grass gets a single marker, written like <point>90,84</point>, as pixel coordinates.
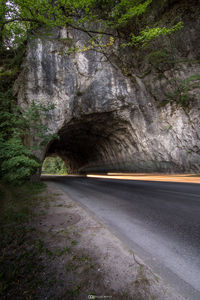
<point>24,256</point>
<point>46,265</point>
<point>29,258</point>
<point>20,263</point>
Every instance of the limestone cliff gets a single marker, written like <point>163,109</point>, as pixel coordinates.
<point>133,110</point>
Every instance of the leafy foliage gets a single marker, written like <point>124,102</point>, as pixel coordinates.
<point>17,162</point>
<point>19,17</point>
<point>158,58</point>
<point>54,165</point>
<point>126,11</point>
<point>182,95</point>
<point>150,34</point>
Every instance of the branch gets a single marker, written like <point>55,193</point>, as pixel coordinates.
<point>69,25</point>
<point>21,20</point>
<point>90,31</point>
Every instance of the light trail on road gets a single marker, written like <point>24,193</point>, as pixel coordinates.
<point>187,178</point>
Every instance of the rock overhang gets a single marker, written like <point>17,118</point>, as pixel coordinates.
<point>106,119</point>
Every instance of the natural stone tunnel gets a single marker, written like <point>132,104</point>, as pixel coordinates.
<point>110,117</point>
<point>98,142</point>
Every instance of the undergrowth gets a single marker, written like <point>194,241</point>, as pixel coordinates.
<point>38,261</point>
<point>184,93</point>
<point>20,263</point>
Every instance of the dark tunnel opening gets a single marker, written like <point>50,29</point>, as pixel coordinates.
<point>97,142</point>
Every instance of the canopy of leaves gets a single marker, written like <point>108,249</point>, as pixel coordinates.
<point>17,163</point>
<point>21,17</point>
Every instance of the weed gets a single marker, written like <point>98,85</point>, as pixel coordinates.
<point>68,205</point>
<point>74,243</point>
<point>46,205</point>
<point>64,232</point>
<point>42,212</point>
<point>51,281</point>
<point>79,93</point>
<point>182,94</point>
<point>71,267</point>
<point>75,291</point>
<point>60,282</point>
<point>60,252</point>
<point>158,58</point>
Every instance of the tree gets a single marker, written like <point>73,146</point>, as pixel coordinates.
<point>95,17</point>
<point>2,20</point>
<point>17,162</point>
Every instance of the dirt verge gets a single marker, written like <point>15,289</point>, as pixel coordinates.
<point>90,262</point>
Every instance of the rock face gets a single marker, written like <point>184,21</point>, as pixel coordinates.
<point>126,110</point>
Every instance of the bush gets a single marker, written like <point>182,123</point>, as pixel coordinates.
<point>17,161</point>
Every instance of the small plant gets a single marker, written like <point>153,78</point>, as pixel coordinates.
<point>158,58</point>
<point>74,243</point>
<point>182,95</point>
<point>79,93</point>
<point>67,41</point>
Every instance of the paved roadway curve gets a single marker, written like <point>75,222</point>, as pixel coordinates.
<point>160,221</point>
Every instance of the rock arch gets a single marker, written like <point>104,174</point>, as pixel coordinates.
<point>106,119</point>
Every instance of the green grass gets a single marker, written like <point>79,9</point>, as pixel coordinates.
<point>20,263</point>
<point>25,256</point>
<point>34,263</point>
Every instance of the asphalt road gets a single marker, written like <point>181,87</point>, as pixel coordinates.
<point>160,221</point>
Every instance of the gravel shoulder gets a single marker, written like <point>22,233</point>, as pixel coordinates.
<point>92,260</point>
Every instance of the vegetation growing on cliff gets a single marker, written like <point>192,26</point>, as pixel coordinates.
<point>17,163</point>
<point>125,20</point>
<point>16,160</point>
<point>19,18</point>
<point>182,94</point>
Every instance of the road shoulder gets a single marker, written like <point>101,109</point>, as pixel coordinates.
<point>98,262</point>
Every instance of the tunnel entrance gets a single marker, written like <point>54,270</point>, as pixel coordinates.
<point>98,142</point>
<point>54,165</point>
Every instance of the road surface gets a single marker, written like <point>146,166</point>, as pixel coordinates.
<point>159,221</point>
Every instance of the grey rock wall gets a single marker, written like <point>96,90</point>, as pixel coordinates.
<point>119,111</point>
